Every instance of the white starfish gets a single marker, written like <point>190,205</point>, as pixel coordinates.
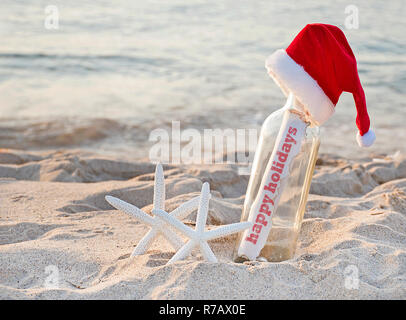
<point>158,225</point>
<point>199,237</point>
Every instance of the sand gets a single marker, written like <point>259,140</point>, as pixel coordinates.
<point>59,238</point>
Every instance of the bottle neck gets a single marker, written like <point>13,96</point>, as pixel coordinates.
<point>295,106</point>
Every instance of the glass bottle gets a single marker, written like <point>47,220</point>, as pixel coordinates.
<point>279,184</point>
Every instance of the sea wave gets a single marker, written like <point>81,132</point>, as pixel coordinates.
<point>33,62</point>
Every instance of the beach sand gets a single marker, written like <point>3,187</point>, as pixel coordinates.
<point>60,239</point>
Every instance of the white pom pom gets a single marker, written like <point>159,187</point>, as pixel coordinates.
<point>367,139</point>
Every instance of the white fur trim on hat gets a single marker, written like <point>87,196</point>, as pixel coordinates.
<point>367,139</point>
<point>291,77</point>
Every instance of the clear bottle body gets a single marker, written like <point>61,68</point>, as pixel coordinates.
<point>286,206</point>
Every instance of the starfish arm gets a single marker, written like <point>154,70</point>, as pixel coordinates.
<point>186,208</point>
<point>226,230</point>
<point>174,222</point>
<point>131,210</point>
<point>159,188</point>
<point>144,243</point>
<point>175,241</point>
<point>207,252</point>
<point>183,252</point>
<point>203,208</point>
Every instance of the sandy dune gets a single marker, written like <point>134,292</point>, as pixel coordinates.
<point>60,239</point>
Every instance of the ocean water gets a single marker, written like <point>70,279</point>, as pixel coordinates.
<point>116,70</point>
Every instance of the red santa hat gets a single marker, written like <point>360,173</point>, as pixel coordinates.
<point>317,67</point>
